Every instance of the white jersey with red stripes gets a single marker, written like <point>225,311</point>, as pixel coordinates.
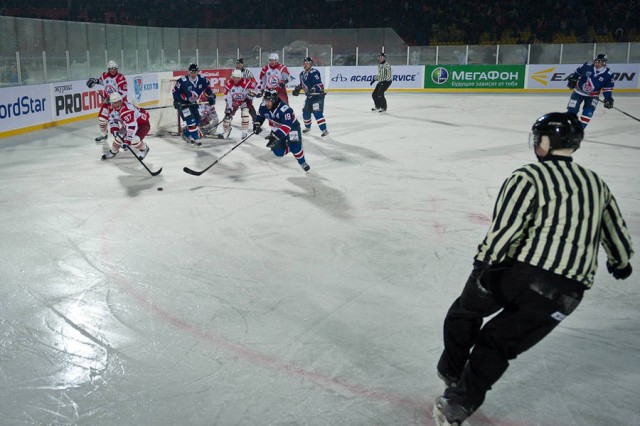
<point>236,94</point>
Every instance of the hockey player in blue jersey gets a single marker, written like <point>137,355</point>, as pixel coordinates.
<point>186,94</point>
<point>587,82</point>
<point>285,128</point>
<point>311,83</point>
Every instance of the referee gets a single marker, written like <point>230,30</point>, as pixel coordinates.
<point>383,78</point>
<point>533,266</point>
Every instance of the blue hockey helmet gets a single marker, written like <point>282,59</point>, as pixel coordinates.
<point>563,129</point>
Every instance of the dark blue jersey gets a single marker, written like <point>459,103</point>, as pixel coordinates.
<point>282,119</point>
<point>592,82</point>
<point>187,90</point>
<point>311,82</point>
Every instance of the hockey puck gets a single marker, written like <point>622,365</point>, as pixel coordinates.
<point>159,188</point>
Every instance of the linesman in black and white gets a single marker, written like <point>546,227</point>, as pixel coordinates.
<point>532,268</point>
<point>384,78</point>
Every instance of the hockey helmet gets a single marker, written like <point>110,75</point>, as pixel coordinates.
<point>308,60</point>
<point>240,61</point>
<point>193,67</point>
<point>381,54</point>
<point>115,97</point>
<point>272,96</point>
<point>236,74</point>
<point>602,57</point>
<point>112,64</point>
<point>274,56</point>
<point>563,129</point>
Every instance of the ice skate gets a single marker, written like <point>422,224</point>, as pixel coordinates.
<point>219,136</point>
<point>102,138</point>
<point>305,167</point>
<point>305,130</point>
<point>325,133</point>
<point>375,109</point>
<point>382,110</point>
<point>448,413</point>
<point>143,153</point>
<point>109,155</point>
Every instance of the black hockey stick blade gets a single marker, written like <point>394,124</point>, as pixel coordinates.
<point>156,173</point>
<point>198,173</point>
<point>627,114</point>
<point>619,110</point>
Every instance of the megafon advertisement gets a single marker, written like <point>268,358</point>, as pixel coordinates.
<point>24,106</point>
<point>625,76</point>
<point>474,77</point>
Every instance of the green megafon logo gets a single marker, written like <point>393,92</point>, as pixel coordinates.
<point>440,75</point>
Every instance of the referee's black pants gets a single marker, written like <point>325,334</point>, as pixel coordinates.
<point>531,301</point>
<point>378,94</point>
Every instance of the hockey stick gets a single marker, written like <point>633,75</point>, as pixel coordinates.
<point>171,106</point>
<point>625,113</point>
<point>156,173</point>
<point>196,173</point>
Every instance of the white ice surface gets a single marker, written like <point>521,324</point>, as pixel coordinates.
<point>257,294</point>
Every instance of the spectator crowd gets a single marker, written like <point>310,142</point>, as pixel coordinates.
<point>418,22</point>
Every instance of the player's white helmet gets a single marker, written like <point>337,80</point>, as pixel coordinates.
<point>236,74</point>
<point>274,56</point>
<point>112,64</point>
<point>115,97</point>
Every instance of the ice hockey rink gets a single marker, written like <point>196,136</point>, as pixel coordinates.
<point>258,294</point>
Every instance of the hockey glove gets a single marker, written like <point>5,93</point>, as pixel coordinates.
<point>272,140</point>
<point>257,127</point>
<point>372,81</point>
<point>619,274</point>
<point>296,90</point>
<point>177,104</point>
<point>92,82</point>
<point>572,82</point>
<point>211,100</point>
<point>608,103</point>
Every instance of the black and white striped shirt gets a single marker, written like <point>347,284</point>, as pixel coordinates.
<point>554,214</point>
<point>384,72</point>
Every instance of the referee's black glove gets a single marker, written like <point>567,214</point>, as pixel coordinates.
<point>619,274</point>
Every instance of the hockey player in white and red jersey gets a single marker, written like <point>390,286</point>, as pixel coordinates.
<point>129,125</point>
<point>112,82</point>
<point>275,76</point>
<point>247,75</point>
<point>238,94</point>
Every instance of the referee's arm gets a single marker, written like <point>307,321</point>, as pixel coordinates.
<point>615,236</point>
